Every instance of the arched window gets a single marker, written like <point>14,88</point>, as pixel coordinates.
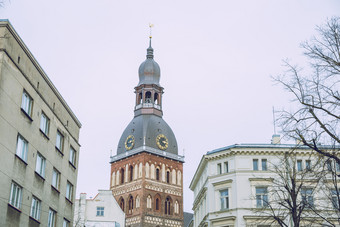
<point>176,207</point>
<point>152,171</point>
<point>113,179</point>
<point>156,98</point>
<point>137,201</point>
<point>173,176</point>
<point>157,202</point>
<point>157,173</point>
<point>179,177</point>
<point>122,176</point>
<point>148,201</point>
<point>135,175</point>
<point>117,177</point>
<point>167,206</point>
<point>130,204</point>
<point>168,176</point>
<point>131,173</point>
<point>148,97</point>
<point>139,98</point>
<point>147,170</point>
<point>140,174</point>
<point>121,203</point>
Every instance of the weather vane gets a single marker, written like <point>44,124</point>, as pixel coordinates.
<point>150,26</point>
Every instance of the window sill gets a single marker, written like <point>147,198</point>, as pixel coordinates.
<point>41,177</point>
<point>71,164</point>
<point>55,189</point>
<point>17,209</point>
<point>33,219</point>
<point>60,152</point>
<point>69,201</point>
<point>26,114</point>
<point>23,161</point>
<point>44,134</point>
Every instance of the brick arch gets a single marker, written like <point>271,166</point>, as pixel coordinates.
<point>167,205</point>
<point>157,203</point>
<point>122,203</point>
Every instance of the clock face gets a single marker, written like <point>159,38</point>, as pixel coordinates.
<point>162,142</point>
<point>129,142</point>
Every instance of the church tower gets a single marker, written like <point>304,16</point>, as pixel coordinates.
<point>146,173</point>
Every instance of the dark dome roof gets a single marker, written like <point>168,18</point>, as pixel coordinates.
<point>149,72</point>
<point>145,129</point>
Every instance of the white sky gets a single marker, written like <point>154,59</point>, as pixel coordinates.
<point>216,59</point>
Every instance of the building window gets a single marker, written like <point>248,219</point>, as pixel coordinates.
<point>130,205</point>
<point>307,197</point>
<point>224,196</point>
<point>51,218</point>
<point>60,141</point>
<point>66,223</point>
<point>44,123</point>
<point>100,211</point>
<point>261,197</point>
<point>299,165</point>
<point>264,164</point>
<point>337,166</point>
<point>168,176</point>
<point>69,191</point>
<point>167,206</point>
<point>157,203</point>
<point>22,148</point>
<point>308,165</point>
<point>137,201</point>
<point>122,204</point>
<point>176,207</point>
<point>255,164</point>
<point>40,165</point>
<point>148,201</point>
<point>335,198</point>
<point>35,208</point>
<point>56,179</point>
<point>16,195</point>
<point>72,156</point>
<point>157,173</point>
<point>131,172</point>
<point>27,103</point>
<point>219,168</point>
<point>226,167</point>
<point>122,176</point>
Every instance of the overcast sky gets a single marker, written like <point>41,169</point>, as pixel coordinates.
<point>216,59</point>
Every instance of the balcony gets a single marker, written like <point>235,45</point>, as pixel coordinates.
<point>148,105</point>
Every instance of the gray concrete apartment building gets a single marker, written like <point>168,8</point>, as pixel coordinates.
<point>39,141</point>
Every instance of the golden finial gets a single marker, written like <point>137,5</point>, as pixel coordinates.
<point>150,26</point>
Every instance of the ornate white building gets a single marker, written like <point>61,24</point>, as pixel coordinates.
<point>233,184</point>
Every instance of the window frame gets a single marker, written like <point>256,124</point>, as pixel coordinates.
<point>23,153</point>
<point>59,145</point>
<point>44,124</point>
<point>219,168</point>
<point>100,211</point>
<point>72,157</point>
<point>264,164</point>
<point>40,170</point>
<point>27,107</point>
<point>307,198</point>
<point>226,167</point>
<point>299,166</point>
<point>57,181</point>
<point>255,164</point>
<point>261,198</point>
<point>35,208</point>
<point>15,197</point>
<point>69,191</point>
<point>224,199</point>
<point>308,164</point>
<point>66,223</point>
<point>51,218</point>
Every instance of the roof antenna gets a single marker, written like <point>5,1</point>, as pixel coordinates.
<point>274,121</point>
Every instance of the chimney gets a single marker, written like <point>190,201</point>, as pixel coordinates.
<point>276,139</point>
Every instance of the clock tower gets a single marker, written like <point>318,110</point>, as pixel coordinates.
<point>147,172</point>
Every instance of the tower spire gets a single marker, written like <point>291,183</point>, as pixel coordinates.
<point>149,54</point>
